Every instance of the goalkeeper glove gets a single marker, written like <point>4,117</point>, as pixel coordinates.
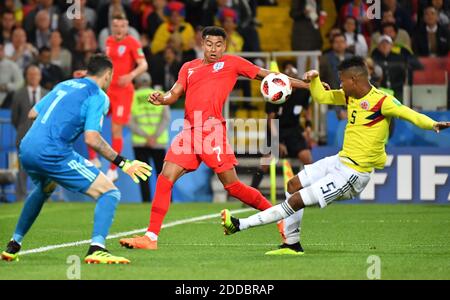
<point>137,169</point>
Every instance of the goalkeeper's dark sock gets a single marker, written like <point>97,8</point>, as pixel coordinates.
<point>30,211</point>
<point>117,145</point>
<point>248,195</point>
<point>161,203</point>
<point>94,248</point>
<point>104,215</point>
<point>257,178</point>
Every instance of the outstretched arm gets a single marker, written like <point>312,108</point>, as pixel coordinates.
<point>169,98</point>
<point>320,94</point>
<point>393,108</point>
<point>295,83</point>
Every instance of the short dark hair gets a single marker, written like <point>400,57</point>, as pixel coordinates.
<point>44,49</point>
<point>32,65</point>
<point>356,63</point>
<point>7,12</point>
<point>214,31</point>
<point>335,36</point>
<point>98,64</point>
<point>389,24</point>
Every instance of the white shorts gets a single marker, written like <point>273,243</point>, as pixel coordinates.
<point>328,180</point>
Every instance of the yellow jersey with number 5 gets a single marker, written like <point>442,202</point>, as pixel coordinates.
<point>367,130</point>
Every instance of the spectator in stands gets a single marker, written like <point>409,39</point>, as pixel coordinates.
<point>432,39</point>
<point>156,18</point>
<point>115,7</point>
<point>27,8</point>
<point>89,14</point>
<point>247,26</point>
<point>175,25</point>
<point>402,18</point>
<point>14,6</point>
<point>375,72</point>
<point>10,78</point>
<point>6,26</point>
<point>40,37</point>
<point>393,64</point>
<point>246,11</point>
<point>19,50</point>
<point>356,43</point>
<point>194,12</point>
<point>86,46</point>
<point>60,56</point>
<point>330,61</point>
<point>333,31</point>
<point>443,9</point>
<point>358,10</point>
<point>166,66</point>
<point>24,99</point>
<point>305,33</point>
<point>400,36</point>
<point>52,10</point>
<point>391,30</point>
<point>228,20</point>
<point>80,37</point>
<point>51,74</point>
<point>142,9</point>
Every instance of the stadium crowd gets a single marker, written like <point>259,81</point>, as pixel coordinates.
<point>59,40</point>
<point>51,35</point>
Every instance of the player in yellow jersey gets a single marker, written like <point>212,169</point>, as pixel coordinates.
<point>345,175</point>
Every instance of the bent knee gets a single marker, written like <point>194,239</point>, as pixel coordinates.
<point>100,186</point>
<point>294,185</point>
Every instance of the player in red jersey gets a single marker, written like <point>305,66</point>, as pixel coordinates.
<point>207,83</point>
<point>129,62</point>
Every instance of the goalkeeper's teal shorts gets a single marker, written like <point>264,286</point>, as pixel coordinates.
<point>71,171</point>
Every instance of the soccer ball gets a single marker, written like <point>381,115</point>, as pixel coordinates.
<point>276,88</point>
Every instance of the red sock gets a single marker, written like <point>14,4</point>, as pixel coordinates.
<point>161,203</point>
<point>248,195</point>
<point>91,153</point>
<point>117,145</point>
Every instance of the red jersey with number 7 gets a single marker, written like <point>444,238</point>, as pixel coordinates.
<point>207,86</point>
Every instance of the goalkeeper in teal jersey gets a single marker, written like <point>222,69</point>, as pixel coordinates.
<point>73,107</point>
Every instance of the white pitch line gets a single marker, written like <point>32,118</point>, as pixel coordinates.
<point>126,233</point>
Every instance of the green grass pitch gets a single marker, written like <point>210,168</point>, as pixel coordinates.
<point>412,242</point>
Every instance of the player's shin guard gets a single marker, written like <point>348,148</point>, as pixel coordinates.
<point>248,195</point>
<point>292,227</point>
<point>271,215</point>
<point>31,209</point>
<point>161,203</point>
<point>117,145</point>
<point>104,216</point>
